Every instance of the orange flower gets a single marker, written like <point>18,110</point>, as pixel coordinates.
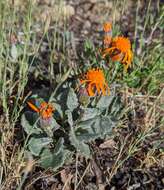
<point>120,50</point>
<point>45,110</point>
<point>95,82</point>
<point>107,27</point>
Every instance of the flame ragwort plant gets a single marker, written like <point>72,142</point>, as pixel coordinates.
<point>75,123</point>
<point>66,124</point>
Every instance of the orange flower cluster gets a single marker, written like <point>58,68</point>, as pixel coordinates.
<point>95,82</point>
<point>45,110</point>
<point>118,48</point>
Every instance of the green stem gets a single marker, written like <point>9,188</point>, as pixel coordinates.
<point>115,72</point>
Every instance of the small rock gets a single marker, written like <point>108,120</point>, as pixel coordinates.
<point>108,144</point>
<point>87,24</point>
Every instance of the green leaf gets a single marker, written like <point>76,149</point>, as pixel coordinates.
<point>89,113</point>
<point>70,119</point>
<point>115,107</point>
<point>59,146</point>
<point>104,102</point>
<point>54,161</point>
<point>106,125</point>
<point>54,124</point>
<point>29,123</point>
<point>58,108</point>
<point>79,145</point>
<point>35,145</point>
<point>56,158</point>
<point>88,45</point>
<point>98,127</point>
<point>94,123</point>
<point>72,101</point>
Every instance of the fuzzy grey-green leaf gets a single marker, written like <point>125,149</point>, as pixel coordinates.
<point>55,158</point>
<point>89,113</point>
<point>35,145</point>
<point>104,102</point>
<point>79,145</point>
<point>59,146</point>
<point>72,101</point>
<point>97,127</point>
<point>29,123</point>
<point>50,160</point>
<point>58,108</point>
